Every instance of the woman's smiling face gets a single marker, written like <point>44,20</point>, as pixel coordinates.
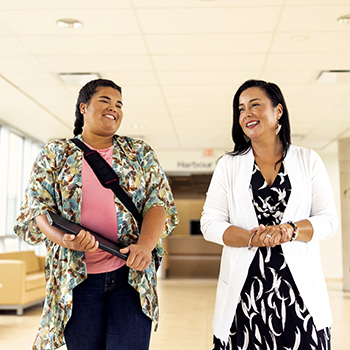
<point>257,116</point>
<point>103,113</point>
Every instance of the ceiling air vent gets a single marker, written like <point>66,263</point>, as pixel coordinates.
<point>334,77</point>
<point>78,79</point>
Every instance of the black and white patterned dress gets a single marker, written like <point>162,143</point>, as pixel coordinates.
<point>271,314</point>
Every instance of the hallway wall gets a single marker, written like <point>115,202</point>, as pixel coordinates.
<point>331,249</point>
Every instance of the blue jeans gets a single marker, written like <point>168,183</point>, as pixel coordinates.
<point>107,315</point>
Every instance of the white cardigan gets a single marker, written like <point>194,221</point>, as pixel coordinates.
<point>229,203</point>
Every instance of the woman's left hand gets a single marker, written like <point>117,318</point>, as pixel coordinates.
<point>287,232</point>
<point>139,256</point>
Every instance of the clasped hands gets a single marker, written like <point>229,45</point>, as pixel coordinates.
<point>270,236</point>
<point>140,256</point>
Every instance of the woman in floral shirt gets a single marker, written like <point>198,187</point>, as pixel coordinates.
<point>114,303</point>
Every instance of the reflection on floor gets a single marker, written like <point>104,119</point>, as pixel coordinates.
<point>186,313</point>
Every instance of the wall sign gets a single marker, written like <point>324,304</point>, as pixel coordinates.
<point>198,161</point>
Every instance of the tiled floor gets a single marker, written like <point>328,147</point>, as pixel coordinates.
<point>186,314</point>
<point>340,304</point>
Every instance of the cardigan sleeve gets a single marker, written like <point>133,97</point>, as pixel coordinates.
<point>215,216</point>
<point>323,216</point>
<point>40,193</point>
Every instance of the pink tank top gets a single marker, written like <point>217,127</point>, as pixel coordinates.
<point>98,213</point>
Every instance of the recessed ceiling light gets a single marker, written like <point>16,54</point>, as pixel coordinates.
<point>344,19</point>
<point>69,23</point>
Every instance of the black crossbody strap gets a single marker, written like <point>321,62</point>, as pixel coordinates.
<point>108,178</point>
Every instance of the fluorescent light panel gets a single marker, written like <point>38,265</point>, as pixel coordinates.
<point>78,79</point>
<point>334,77</point>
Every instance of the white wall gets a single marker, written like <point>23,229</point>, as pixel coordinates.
<point>331,249</point>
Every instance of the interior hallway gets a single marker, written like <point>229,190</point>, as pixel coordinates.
<point>186,307</point>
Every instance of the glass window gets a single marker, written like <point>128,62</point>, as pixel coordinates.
<point>17,155</point>
<point>14,180</point>
<point>4,148</point>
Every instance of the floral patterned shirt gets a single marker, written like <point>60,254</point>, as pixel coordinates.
<point>55,184</point>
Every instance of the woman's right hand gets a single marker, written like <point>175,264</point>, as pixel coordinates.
<point>83,241</point>
<point>273,235</point>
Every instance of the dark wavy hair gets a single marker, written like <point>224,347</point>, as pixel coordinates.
<point>85,94</point>
<point>274,93</point>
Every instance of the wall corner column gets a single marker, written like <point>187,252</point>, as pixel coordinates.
<point>344,171</point>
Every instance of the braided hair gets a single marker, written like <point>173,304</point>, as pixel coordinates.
<point>85,94</point>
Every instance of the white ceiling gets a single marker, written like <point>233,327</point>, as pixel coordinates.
<point>179,63</point>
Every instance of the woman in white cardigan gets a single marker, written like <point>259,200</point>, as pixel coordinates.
<point>269,203</point>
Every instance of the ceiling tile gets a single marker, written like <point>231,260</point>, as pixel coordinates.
<point>219,63</point>
<point>27,115</point>
<point>187,44</point>
<point>19,64</point>
<point>131,78</point>
<point>210,78</point>
<point>202,3</point>
<point>106,45</point>
<point>4,31</point>
<point>141,91</point>
<point>308,61</point>
<point>10,46</point>
<point>312,18</point>
<point>164,137</point>
<point>315,89</point>
<point>47,91</point>
<point>64,107</point>
<point>283,77</point>
<point>300,113</point>
<point>321,42</point>
<point>319,103</point>
<point>33,78</point>
<point>317,2</point>
<point>209,20</point>
<point>144,101</point>
<point>222,117</point>
<point>342,116</point>
<point>332,132</point>
<point>207,90</point>
<point>98,63</point>
<point>95,22</point>
<point>74,90</point>
<point>193,101</point>
<point>201,111</point>
<point>63,4</point>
